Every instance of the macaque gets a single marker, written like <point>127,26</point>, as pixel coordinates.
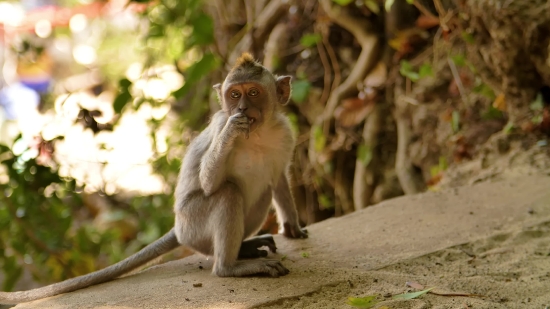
<point>230,174</point>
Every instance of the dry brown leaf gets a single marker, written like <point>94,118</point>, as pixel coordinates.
<point>545,123</point>
<point>405,39</point>
<point>427,22</point>
<point>352,111</point>
<point>377,76</point>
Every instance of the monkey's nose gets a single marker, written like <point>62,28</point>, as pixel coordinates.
<point>242,108</point>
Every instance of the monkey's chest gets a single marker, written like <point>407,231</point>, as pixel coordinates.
<point>255,169</point>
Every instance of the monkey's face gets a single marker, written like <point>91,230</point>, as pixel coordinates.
<point>251,99</point>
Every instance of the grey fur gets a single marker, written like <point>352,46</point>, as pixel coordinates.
<point>226,185</point>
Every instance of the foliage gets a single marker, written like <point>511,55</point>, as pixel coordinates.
<point>44,229</point>
<point>34,197</point>
<point>362,302</point>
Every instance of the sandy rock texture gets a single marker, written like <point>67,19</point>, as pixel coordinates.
<point>490,239</point>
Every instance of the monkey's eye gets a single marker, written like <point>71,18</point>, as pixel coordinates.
<point>253,92</point>
<point>235,94</point>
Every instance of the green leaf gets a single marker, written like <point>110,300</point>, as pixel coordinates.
<point>310,39</point>
<point>538,104</point>
<point>124,83</point>
<point>388,5</point>
<point>362,302</point>
<point>300,90</point>
<point>468,37</point>
<point>12,271</point>
<point>459,60</point>
<point>319,138</point>
<point>492,113</point>
<point>195,72</point>
<point>425,70</point>
<point>455,121</point>
<point>406,69</point>
<point>373,6</point>
<point>305,254</point>
<point>508,128</point>
<point>443,164</point>
<point>203,30</point>
<point>412,295</point>
<point>410,1</point>
<point>537,119</point>
<point>123,95</point>
<point>161,15</point>
<point>120,101</point>
<point>325,202</point>
<point>155,30</point>
<point>364,154</point>
<point>485,91</point>
<point>343,2</point>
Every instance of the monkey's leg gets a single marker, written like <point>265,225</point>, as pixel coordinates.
<point>286,210</point>
<point>250,247</point>
<point>228,217</point>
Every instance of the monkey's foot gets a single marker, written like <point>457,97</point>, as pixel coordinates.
<point>249,248</point>
<point>294,231</point>
<point>273,268</point>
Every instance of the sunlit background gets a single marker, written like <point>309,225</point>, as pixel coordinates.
<point>69,68</point>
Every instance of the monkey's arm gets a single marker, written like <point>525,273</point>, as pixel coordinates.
<point>163,245</point>
<point>213,163</point>
<point>286,209</point>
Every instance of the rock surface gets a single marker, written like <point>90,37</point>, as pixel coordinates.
<point>475,240</point>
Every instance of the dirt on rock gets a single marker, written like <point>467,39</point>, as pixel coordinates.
<point>509,270</point>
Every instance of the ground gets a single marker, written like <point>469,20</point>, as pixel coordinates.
<point>491,239</point>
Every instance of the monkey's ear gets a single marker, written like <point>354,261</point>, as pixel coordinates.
<point>284,89</point>
<point>218,88</point>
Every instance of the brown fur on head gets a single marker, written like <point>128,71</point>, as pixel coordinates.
<point>246,70</point>
<point>246,59</point>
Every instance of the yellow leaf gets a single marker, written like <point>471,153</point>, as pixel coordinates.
<point>500,102</point>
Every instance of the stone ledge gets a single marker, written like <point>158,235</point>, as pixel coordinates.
<point>390,232</point>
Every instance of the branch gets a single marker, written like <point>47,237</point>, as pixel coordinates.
<point>363,180</point>
<point>365,61</point>
<point>263,24</point>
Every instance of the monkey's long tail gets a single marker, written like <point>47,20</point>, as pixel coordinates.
<point>163,245</point>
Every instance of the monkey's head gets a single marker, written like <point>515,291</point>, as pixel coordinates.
<point>252,89</point>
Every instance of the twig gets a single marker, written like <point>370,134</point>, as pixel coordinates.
<point>458,81</point>
<point>335,64</point>
<point>423,9</point>
<point>327,75</point>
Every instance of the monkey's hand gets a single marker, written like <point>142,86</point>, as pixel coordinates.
<point>237,125</point>
<point>294,231</point>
